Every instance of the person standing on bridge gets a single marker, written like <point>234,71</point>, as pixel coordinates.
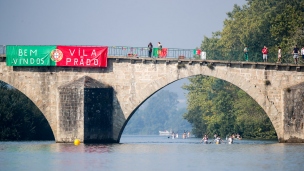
<point>150,47</point>
<point>295,53</point>
<point>246,53</point>
<point>280,55</point>
<point>265,53</point>
<point>160,46</point>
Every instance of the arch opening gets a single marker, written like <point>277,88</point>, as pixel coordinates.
<point>219,107</point>
<point>261,116</point>
<point>160,112</point>
<point>20,118</point>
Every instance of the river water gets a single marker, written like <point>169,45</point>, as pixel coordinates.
<point>152,153</point>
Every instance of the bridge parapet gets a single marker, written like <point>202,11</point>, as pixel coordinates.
<point>209,63</point>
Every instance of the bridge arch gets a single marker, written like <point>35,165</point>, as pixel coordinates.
<point>250,87</point>
<point>28,99</point>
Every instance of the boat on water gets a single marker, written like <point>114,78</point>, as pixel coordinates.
<point>165,133</point>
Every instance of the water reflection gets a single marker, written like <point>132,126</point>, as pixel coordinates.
<point>81,148</point>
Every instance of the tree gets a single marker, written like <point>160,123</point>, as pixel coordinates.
<point>161,113</point>
<point>20,119</point>
<point>216,106</point>
<point>260,22</point>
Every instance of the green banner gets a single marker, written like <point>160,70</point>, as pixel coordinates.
<point>28,55</point>
<point>155,52</point>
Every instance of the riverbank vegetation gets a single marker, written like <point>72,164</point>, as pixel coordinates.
<point>216,106</point>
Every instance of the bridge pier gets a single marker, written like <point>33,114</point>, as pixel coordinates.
<point>293,122</point>
<point>85,112</point>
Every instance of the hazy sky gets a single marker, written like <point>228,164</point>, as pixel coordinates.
<point>175,23</point>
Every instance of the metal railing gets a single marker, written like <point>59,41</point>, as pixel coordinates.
<point>127,51</point>
<point>254,56</point>
<point>2,50</point>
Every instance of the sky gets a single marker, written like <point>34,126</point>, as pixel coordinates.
<point>174,23</point>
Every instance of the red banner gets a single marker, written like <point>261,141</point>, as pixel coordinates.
<point>83,56</point>
<point>163,53</point>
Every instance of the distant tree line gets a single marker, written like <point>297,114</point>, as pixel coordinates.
<point>20,119</point>
<point>273,23</point>
<point>218,107</point>
<point>160,113</point>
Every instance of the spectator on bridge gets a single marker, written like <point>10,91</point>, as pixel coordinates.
<point>295,53</point>
<point>246,53</point>
<point>265,52</point>
<point>197,53</point>
<point>302,52</point>
<point>280,55</point>
<point>160,46</point>
<point>150,47</point>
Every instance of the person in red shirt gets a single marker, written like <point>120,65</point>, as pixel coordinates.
<point>265,52</point>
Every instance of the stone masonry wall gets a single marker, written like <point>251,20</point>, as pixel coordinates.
<point>71,118</point>
<point>293,113</point>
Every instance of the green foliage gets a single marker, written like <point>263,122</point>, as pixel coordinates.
<point>271,23</point>
<point>227,110</point>
<point>161,113</point>
<point>216,106</point>
<point>20,119</point>
<point>261,22</point>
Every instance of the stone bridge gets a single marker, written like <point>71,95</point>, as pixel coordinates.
<point>95,104</point>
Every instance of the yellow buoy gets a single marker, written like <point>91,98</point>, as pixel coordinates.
<point>76,142</point>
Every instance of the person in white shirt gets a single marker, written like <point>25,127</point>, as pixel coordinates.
<point>280,55</point>
<point>159,46</point>
<point>230,140</point>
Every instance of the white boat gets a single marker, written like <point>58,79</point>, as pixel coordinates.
<point>165,133</point>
